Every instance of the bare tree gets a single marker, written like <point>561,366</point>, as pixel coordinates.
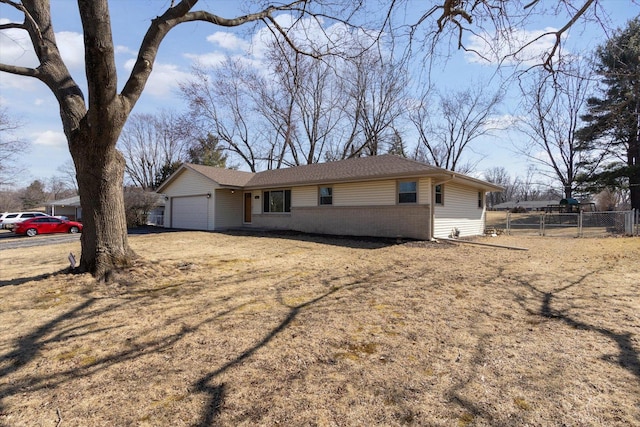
<point>499,176</point>
<point>552,108</point>
<point>148,142</point>
<point>67,173</point>
<point>221,104</point>
<point>11,148</point>
<point>446,131</point>
<point>58,188</point>
<point>376,99</point>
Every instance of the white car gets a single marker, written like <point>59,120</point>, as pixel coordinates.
<point>8,219</point>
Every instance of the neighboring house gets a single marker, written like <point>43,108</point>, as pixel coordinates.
<point>383,196</point>
<point>71,209</point>
<point>66,207</point>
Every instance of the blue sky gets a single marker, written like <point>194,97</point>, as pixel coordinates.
<point>29,100</point>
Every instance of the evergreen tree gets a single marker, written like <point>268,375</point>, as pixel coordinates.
<point>612,120</point>
<point>207,152</point>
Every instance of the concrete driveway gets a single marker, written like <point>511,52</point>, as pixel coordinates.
<point>8,240</point>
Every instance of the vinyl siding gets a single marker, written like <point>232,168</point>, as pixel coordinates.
<point>190,183</point>
<point>229,209</point>
<point>187,184</point>
<point>370,193</point>
<point>304,196</point>
<point>424,191</point>
<point>460,210</point>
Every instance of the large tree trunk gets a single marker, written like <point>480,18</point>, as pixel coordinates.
<point>100,173</point>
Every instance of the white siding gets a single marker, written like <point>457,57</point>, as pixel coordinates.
<point>424,191</point>
<point>190,183</point>
<point>460,210</point>
<point>371,193</point>
<point>304,196</point>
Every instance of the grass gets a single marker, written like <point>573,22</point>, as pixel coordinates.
<point>216,329</point>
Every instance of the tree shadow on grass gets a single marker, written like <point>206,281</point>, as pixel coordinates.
<point>22,280</point>
<point>76,322</point>
<point>627,357</point>
<point>216,393</point>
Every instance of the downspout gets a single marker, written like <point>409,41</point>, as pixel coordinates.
<point>433,204</point>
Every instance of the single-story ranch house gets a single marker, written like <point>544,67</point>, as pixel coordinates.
<point>380,196</point>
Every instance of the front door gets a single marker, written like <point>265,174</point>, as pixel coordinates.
<point>247,207</point>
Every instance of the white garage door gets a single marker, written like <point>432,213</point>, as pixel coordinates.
<point>189,213</point>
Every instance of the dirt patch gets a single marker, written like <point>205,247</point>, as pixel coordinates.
<point>301,330</point>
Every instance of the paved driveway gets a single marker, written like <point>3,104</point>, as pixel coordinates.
<point>8,240</point>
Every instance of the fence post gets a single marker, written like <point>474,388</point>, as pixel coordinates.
<point>580,224</point>
<point>541,216</point>
<point>508,223</point>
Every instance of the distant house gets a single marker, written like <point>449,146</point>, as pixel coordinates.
<point>71,209</point>
<point>528,205</point>
<point>66,207</point>
<point>384,196</point>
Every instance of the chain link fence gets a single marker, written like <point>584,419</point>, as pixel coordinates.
<point>583,224</point>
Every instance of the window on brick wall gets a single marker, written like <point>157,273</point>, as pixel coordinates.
<point>276,201</point>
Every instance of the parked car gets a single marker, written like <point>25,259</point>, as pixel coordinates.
<point>46,225</point>
<point>9,219</point>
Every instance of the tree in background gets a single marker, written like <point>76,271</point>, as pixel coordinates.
<point>613,119</point>
<point>207,151</point>
<point>148,143</point>
<point>446,132</point>
<point>34,195</point>
<point>67,174</point>
<point>11,149</point>
<point>552,106</point>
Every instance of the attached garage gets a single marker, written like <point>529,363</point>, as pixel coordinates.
<point>204,198</point>
<point>190,212</point>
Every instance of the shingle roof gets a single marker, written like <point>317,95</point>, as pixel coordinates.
<point>355,169</point>
<point>349,170</point>
<point>228,177</point>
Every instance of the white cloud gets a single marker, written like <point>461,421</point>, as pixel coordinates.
<point>50,138</point>
<point>39,101</point>
<point>163,79</point>
<point>211,59</point>
<point>16,48</point>
<point>71,46</point>
<point>228,41</point>
<point>503,122</point>
<point>518,46</point>
<point>125,50</point>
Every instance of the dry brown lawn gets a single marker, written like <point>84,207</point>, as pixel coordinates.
<point>222,329</point>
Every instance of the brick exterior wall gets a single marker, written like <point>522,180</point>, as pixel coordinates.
<point>410,221</point>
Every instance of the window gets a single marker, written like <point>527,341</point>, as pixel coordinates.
<point>276,201</point>
<point>326,195</point>
<point>407,192</point>
<point>480,199</point>
<point>439,194</point>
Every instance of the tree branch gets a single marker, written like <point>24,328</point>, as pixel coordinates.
<point>20,71</point>
<point>163,24</point>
